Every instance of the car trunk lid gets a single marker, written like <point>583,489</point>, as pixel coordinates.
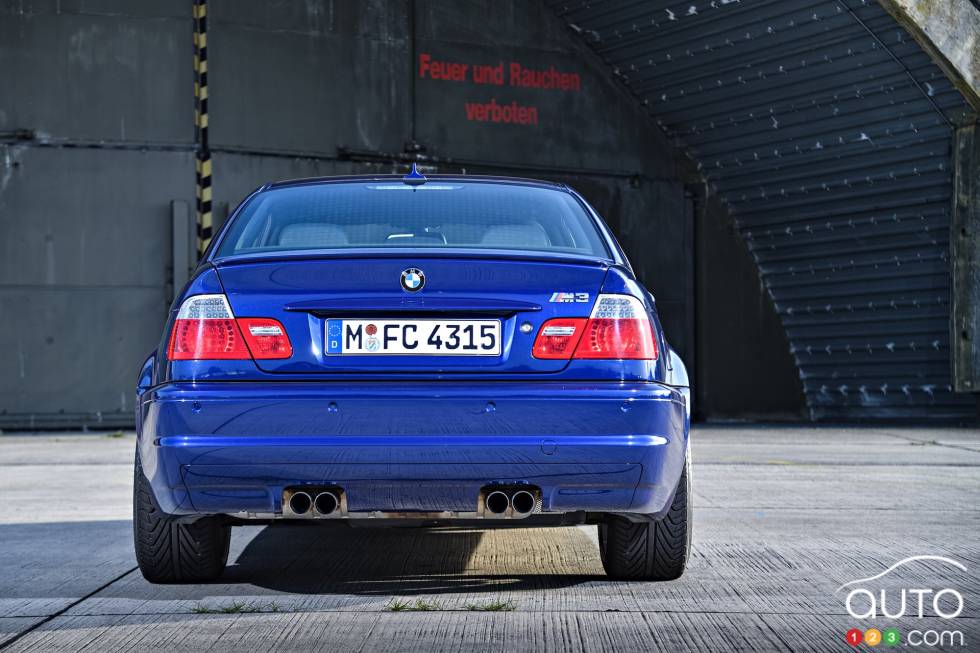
<point>310,296</point>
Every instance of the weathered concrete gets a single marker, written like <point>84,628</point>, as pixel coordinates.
<point>85,258</point>
<point>949,30</point>
<point>964,239</point>
<point>783,517</point>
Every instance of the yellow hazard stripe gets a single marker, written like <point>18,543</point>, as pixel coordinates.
<point>202,166</point>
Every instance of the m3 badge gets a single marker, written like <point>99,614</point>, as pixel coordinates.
<point>569,298</point>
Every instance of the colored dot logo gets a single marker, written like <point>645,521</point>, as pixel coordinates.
<point>891,637</point>
<point>872,637</point>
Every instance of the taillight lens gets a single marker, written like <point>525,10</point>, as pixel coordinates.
<point>266,338</point>
<point>558,337</point>
<point>618,328</point>
<point>206,329</point>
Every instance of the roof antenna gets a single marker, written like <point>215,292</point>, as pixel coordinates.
<point>414,177</point>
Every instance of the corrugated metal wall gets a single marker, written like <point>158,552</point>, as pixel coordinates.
<point>826,130</point>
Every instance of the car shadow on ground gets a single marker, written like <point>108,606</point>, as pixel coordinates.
<point>338,559</point>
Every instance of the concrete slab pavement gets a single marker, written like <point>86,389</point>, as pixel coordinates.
<point>783,517</point>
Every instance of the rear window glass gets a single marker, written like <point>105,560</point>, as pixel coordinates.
<point>438,214</point>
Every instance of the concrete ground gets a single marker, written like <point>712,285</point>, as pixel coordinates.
<point>783,518</point>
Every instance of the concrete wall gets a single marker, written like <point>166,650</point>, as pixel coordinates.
<point>101,92</point>
<point>96,126</point>
<point>949,30</point>
<point>362,91</point>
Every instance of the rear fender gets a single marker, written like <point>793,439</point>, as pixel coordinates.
<point>677,372</point>
<point>619,281</point>
<point>143,383</point>
<point>205,282</point>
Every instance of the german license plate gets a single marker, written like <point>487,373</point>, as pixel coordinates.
<point>413,337</point>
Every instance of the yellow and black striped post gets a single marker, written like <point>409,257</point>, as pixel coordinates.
<point>203,162</point>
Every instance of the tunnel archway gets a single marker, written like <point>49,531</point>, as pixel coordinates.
<point>825,131</point>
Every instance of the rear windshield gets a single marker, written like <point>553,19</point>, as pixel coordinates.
<point>438,214</point>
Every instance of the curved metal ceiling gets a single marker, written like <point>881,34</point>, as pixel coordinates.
<point>827,131</point>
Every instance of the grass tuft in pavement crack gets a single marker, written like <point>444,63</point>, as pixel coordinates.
<point>418,606</point>
<point>237,607</point>
<point>493,606</point>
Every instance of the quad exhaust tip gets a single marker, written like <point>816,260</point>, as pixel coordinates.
<point>300,503</point>
<point>522,502</point>
<point>502,501</point>
<point>325,503</point>
<point>510,501</point>
<point>312,501</point>
<point>497,502</point>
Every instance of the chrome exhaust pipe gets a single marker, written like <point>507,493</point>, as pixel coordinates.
<point>523,502</point>
<point>325,503</point>
<point>497,502</point>
<point>300,503</point>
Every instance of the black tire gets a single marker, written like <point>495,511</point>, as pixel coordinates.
<point>656,550</point>
<point>172,552</point>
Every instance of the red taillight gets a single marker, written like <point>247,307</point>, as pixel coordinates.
<point>266,338</point>
<point>623,339</point>
<point>558,337</point>
<point>618,328</point>
<point>203,339</point>
<point>206,329</point>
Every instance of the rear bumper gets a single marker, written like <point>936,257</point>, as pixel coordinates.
<point>232,447</point>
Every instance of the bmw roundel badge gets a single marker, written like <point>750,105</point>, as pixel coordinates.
<point>413,280</point>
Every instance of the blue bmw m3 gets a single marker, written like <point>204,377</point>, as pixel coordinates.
<point>441,351</point>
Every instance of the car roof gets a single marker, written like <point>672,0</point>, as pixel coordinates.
<point>517,181</point>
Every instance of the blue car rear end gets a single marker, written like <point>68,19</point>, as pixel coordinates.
<point>448,351</point>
